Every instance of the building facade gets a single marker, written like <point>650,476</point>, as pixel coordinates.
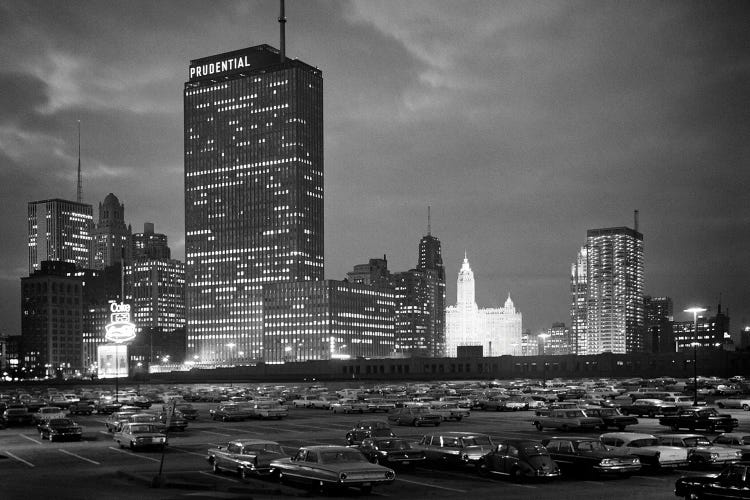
<point>328,319</point>
<point>579,289</point>
<point>60,230</point>
<point>712,332</point>
<point>111,235</point>
<point>557,340</point>
<point>253,137</point>
<point>150,245</point>
<point>497,330</point>
<point>615,320</point>
<point>51,307</point>
<point>659,313</point>
<point>431,265</point>
<point>155,290</point>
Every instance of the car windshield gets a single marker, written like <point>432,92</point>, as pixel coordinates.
<point>142,428</point>
<point>607,412</point>
<point>477,441</point>
<point>61,421</point>
<point>331,457</point>
<point>640,443</point>
<point>708,412</point>
<point>574,414</point>
<point>697,441</point>
<point>533,450</point>
<point>262,448</point>
<point>394,444</point>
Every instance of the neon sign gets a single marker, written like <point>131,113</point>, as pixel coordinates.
<point>120,329</point>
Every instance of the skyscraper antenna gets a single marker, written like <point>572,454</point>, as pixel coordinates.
<point>79,187</point>
<point>282,34</point>
<point>429,222</point>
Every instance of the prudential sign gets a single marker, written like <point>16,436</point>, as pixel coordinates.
<point>119,329</point>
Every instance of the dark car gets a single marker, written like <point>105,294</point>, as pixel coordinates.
<point>415,416</point>
<point>733,482</point>
<point>587,455</point>
<point>611,417</point>
<point>368,428</point>
<point>60,429</point>
<point>81,408</point>
<point>519,459</point>
<point>391,452</point>
<point>649,408</point>
<point>17,416</point>
<point>704,418</point>
<point>458,449</point>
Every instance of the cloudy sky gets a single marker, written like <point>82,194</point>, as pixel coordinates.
<point>522,123</point>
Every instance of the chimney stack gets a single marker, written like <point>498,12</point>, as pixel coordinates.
<point>282,34</point>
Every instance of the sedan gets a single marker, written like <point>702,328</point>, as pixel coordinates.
<point>60,429</point>
<point>325,467</point>
<point>391,452</point>
<point>735,403</point>
<point>519,459</point>
<point>733,482</point>
<point>136,435</point>
<point>588,455</point>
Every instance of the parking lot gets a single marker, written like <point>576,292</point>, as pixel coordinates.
<point>97,468</point>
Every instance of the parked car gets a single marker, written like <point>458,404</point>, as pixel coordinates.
<point>648,408</point>
<point>455,448</point>
<point>107,407</point>
<point>114,422</point>
<point>137,435</point>
<point>734,403</point>
<point>699,418</point>
<point>81,408</point>
<point>173,420</point>
<point>368,428</point>
<point>701,452</point>
<point>269,409</point>
<point>324,467</point>
<point>611,417</point>
<point>17,416</point>
<point>519,459</point>
<point>60,429</point>
<point>589,456</point>
<point>391,451</point>
<point>245,456</point>
<point>647,448</point>
<point>375,405</point>
<point>732,482</point>
<point>449,411</point>
<point>566,420</point>
<point>349,406</point>
<point>188,411</point>
<point>682,401</point>
<point>492,403</point>
<point>47,413</point>
<point>231,412</point>
<point>415,416</point>
<point>737,440</point>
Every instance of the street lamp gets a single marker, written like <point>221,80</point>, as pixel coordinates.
<point>695,311</point>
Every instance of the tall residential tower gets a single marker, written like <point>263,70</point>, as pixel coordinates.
<point>253,193</point>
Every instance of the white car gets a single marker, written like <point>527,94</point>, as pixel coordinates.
<point>743,403</point>
<point>48,413</point>
<point>647,448</point>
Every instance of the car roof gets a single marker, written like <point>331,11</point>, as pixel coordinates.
<point>628,435</point>
<point>327,447</point>
<point>686,435</point>
<point>521,442</point>
<point>573,438</point>
<point>246,442</point>
<point>735,434</point>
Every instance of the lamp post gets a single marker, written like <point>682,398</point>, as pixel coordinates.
<point>543,337</point>
<point>695,311</point>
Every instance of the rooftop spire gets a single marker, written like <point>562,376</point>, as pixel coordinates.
<point>79,187</point>
<point>429,222</point>
<point>282,33</point>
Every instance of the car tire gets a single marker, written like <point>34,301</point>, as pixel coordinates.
<point>746,407</point>
<point>538,426</point>
<point>651,414</point>
<point>565,428</point>
<point>458,419</point>
<point>720,405</point>
<point>437,423</point>
<point>516,474</point>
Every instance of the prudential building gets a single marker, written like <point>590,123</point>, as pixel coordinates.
<point>253,193</point>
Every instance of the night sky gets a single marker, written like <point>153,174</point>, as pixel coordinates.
<point>522,124</point>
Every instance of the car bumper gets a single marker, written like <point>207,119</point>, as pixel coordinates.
<point>618,469</point>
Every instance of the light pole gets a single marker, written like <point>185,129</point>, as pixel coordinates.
<point>695,311</point>
<point>543,337</point>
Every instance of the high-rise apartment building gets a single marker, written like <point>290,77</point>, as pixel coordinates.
<point>111,235</point>
<point>60,230</point>
<point>253,136</point>
<point>614,307</point>
<point>431,265</point>
<point>150,245</point>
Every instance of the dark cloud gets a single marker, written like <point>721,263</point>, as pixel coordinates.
<point>522,123</point>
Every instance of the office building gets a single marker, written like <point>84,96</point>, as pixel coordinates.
<point>431,265</point>
<point>497,330</point>
<point>615,319</point>
<point>51,306</point>
<point>659,317</point>
<point>155,290</point>
<point>326,319</point>
<point>579,289</point>
<point>253,137</point>
<point>111,235</point>
<point>712,333</point>
<point>60,230</point>
<point>375,274</point>
<point>556,341</point>
<point>150,245</point>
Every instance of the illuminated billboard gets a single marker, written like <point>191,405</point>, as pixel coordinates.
<point>119,329</point>
<point>113,360</point>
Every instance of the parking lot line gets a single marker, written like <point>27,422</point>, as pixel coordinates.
<point>431,485</point>
<point>78,456</point>
<point>203,455</point>
<point>219,477</point>
<point>217,433</point>
<point>11,455</point>
<point>133,454</point>
<point>30,438</point>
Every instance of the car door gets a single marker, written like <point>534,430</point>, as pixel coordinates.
<point>732,483</point>
<point>509,459</point>
<point>229,458</point>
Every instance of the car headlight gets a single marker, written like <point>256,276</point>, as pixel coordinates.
<point>714,456</point>
<point>738,454</point>
<point>606,461</point>
<point>636,460</point>
<point>465,457</point>
<point>389,474</point>
<point>342,476</point>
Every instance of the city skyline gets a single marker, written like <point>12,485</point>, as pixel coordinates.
<point>498,116</point>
